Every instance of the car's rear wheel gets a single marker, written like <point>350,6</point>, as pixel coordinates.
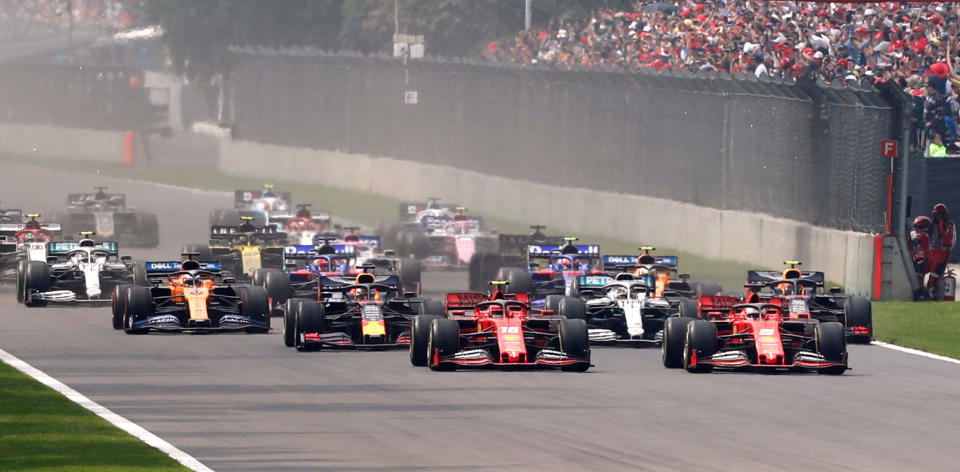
<point>858,313</point>
<point>444,340</point>
<point>277,284</point>
<point>518,280</point>
<point>689,308</point>
<point>409,270</point>
<point>552,302</point>
<point>701,340</point>
<point>674,334</point>
<point>572,308</point>
<point>419,336</point>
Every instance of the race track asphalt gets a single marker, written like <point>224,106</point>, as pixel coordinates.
<point>245,402</point>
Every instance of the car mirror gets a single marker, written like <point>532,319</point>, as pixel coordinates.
<point>409,294</point>
<point>684,276</point>
<point>836,290</point>
<point>228,280</point>
<point>126,258</point>
<point>52,260</point>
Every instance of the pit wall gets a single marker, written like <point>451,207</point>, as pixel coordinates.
<point>752,238</point>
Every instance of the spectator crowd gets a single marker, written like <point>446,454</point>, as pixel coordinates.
<point>908,44</point>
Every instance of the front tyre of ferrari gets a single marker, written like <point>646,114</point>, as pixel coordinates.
<point>701,338</point>
<point>444,340</point>
<point>419,336</point>
<point>574,342</point>
<point>674,334</point>
<point>831,344</point>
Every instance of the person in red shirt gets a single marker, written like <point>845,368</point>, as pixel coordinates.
<point>943,237</point>
<point>920,242</point>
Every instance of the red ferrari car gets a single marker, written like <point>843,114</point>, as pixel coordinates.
<point>730,334</point>
<point>498,330</point>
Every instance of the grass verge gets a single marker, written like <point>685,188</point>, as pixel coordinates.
<point>41,430</point>
<point>928,326</point>
<point>368,209</point>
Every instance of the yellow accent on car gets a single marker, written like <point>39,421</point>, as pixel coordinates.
<point>373,328</point>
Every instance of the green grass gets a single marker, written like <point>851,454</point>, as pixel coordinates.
<point>40,430</point>
<point>369,209</point>
<point>928,326</point>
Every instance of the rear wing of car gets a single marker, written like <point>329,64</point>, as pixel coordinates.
<point>304,251</point>
<point>765,276</point>
<point>717,305</point>
<point>466,301</point>
<point>83,199</point>
<point>543,251</point>
<point>166,267</point>
<point>335,283</point>
<point>11,215</point>
<point>243,198</point>
<point>408,210</point>
<point>62,247</point>
<point>229,232</point>
<point>9,229</point>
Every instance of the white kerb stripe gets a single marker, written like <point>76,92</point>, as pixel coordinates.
<point>917,352</point>
<point>136,431</point>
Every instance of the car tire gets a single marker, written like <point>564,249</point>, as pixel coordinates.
<point>710,288</point>
<point>419,336</point>
<point>290,322</point>
<point>575,342</point>
<point>409,271</point>
<point>689,308</point>
<point>21,280</point>
<point>858,311</point>
<point>140,274</point>
<point>255,304</point>
<point>119,299</point>
<point>277,284</point>
<point>674,336</point>
<point>572,308</point>
<point>433,307</point>
<point>831,344</point>
<point>36,278</point>
<point>701,337</point>
<point>310,317</point>
<point>552,302</point>
<point>445,338</point>
<point>148,230</point>
<point>518,280</point>
<point>203,252</point>
<point>139,305</point>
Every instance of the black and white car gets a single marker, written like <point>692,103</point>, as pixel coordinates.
<point>76,273</point>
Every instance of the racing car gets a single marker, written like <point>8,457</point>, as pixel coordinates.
<point>79,273</point>
<point>242,249</point>
<point>564,263</point>
<point>408,236</point>
<point>364,313</point>
<point>752,336</point>
<point>189,296</point>
<point>309,270</point>
<point>498,330</point>
<point>511,251</point>
<point>24,241</point>
<point>802,292</point>
<point>267,200</point>
<point>303,226</point>
<point>108,215</point>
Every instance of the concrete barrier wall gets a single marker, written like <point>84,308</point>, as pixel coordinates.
<point>61,143</point>
<point>752,238</point>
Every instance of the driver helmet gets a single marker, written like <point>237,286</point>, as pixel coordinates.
<point>322,264</point>
<point>751,312</point>
<point>940,210</point>
<point>921,223</point>
<point>621,293</point>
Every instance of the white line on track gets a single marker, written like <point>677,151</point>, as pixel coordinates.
<point>130,427</point>
<point>916,352</point>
